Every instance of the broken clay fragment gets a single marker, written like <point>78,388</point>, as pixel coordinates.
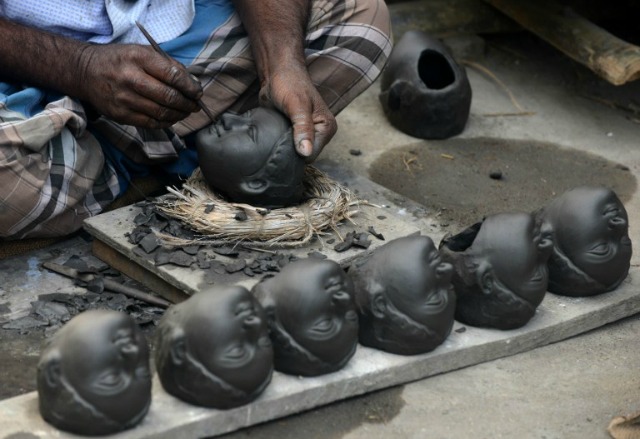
<point>500,269</point>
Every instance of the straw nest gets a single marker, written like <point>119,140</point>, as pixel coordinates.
<point>219,222</point>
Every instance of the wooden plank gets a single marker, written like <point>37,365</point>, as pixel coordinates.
<point>137,272</point>
<point>447,17</point>
<point>557,318</point>
<point>610,57</point>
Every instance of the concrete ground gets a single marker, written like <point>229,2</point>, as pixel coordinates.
<point>571,389</point>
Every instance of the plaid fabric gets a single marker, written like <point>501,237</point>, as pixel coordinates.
<point>57,168</point>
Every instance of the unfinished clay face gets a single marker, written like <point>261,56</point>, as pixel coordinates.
<point>312,319</point>
<point>251,158</point>
<point>93,376</point>
<point>404,297</point>
<point>214,349</point>
<point>500,273</point>
<point>592,251</point>
<point>424,92</point>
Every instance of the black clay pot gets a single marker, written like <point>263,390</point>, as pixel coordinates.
<point>425,93</point>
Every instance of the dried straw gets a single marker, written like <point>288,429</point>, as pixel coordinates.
<point>220,222</point>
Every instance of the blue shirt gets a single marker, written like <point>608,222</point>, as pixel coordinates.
<point>103,21</point>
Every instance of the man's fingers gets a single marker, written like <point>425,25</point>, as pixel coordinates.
<point>174,74</point>
<point>303,133</point>
<point>312,134</point>
<point>305,148</point>
<point>146,111</point>
<point>164,95</point>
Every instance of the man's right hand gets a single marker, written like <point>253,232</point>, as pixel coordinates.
<point>134,85</point>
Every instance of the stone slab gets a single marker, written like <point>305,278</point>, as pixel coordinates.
<point>557,318</point>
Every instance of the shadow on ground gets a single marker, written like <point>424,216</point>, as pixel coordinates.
<point>463,180</point>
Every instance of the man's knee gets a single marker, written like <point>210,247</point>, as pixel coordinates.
<point>376,14</point>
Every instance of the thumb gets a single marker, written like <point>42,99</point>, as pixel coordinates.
<point>303,133</point>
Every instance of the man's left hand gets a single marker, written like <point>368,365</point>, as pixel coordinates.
<point>291,91</point>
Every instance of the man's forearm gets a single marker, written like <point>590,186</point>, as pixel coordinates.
<point>276,29</point>
<point>38,58</point>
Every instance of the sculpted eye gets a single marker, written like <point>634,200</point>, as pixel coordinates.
<point>253,132</point>
<point>256,184</point>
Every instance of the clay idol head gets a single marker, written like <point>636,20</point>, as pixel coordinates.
<point>424,92</point>
<point>592,251</point>
<point>213,350</point>
<point>500,272</point>
<point>251,158</point>
<point>404,297</point>
<point>93,376</point>
<point>312,319</point>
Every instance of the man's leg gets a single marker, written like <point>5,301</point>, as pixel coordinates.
<point>52,171</point>
<point>347,45</point>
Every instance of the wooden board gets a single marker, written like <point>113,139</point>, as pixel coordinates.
<point>556,319</point>
<point>610,57</point>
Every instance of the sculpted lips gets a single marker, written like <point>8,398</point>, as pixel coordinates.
<point>325,329</point>
<point>437,301</point>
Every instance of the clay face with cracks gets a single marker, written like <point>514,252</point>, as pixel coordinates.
<point>404,297</point>
<point>251,158</point>
<point>213,350</point>
<point>592,251</point>
<point>93,376</point>
<point>312,319</point>
<point>500,272</point>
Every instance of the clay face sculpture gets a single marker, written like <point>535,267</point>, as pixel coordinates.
<point>214,349</point>
<point>425,93</point>
<point>592,251</point>
<point>500,273</point>
<point>312,319</point>
<point>404,297</point>
<point>93,376</point>
<point>251,158</point>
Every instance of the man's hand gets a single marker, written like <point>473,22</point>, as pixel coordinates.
<point>130,84</point>
<point>134,85</point>
<point>276,30</point>
<point>291,91</point>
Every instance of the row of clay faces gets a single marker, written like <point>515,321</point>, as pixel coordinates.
<point>218,349</point>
